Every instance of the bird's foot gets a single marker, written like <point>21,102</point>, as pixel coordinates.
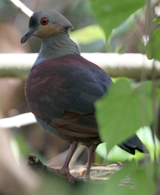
<point>65,172</point>
<point>84,178</point>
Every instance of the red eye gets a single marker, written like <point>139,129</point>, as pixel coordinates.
<point>44,21</point>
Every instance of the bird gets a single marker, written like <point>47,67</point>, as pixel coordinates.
<point>62,87</point>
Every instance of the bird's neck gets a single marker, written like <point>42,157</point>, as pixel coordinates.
<point>56,46</point>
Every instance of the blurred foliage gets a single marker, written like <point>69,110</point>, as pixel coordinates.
<point>118,155</point>
<point>90,38</point>
<point>88,34</point>
<point>137,180</point>
<point>23,146</point>
<point>112,13</point>
<point>114,43</point>
<point>122,110</point>
<point>156,20</point>
<point>7,7</point>
<point>59,185</point>
<point>131,179</point>
<point>83,17</point>
<point>127,107</point>
<point>152,47</point>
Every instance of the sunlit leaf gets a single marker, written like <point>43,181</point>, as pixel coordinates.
<point>121,111</point>
<point>88,34</point>
<point>156,20</point>
<point>118,155</point>
<point>116,41</point>
<point>132,179</point>
<point>152,47</point>
<point>111,13</point>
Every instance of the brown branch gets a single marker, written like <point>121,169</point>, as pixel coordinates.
<point>97,172</point>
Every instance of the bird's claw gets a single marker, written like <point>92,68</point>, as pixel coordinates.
<point>71,178</point>
<point>64,172</point>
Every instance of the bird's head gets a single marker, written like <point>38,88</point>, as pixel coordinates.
<point>45,23</point>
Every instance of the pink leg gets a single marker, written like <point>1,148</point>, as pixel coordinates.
<point>65,167</point>
<point>91,151</point>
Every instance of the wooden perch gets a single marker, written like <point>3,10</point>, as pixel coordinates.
<point>116,65</point>
<point>18,121</point>
<point>98,171</point>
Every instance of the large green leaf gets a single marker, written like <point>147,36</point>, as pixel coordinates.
<point>156,20</point>
<point>153,46</point>
<point>117,42</point>
<point>132,179</point>
<point>111,13</point>
<point>121,111</point>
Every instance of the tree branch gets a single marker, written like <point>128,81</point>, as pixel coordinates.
<point>18,121</point>
<point>116,65</point>
<point>22,7</point>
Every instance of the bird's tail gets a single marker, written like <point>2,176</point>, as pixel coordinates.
<point>132,144</point>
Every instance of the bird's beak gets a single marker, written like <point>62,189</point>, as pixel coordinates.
<point>27,35</point>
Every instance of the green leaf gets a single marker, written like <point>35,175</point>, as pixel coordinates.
<point>88,34</point>
<point>115,43</point>
<point>152,47</point>
<point>111,13</point>
<point>121,111</point>
<point>156,20</point>
<point>145,134</point>
<point>115,183</point>
<point>132,179</point>
<point>23,147</point>
<point>118,155</point>
<point>115,155</point>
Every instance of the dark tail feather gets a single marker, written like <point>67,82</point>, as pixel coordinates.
<point>132,144</point>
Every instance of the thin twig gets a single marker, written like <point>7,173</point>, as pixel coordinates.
<point>22,7</point>
<point>18,121</point>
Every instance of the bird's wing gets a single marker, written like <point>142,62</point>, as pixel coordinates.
<point>63,92</point>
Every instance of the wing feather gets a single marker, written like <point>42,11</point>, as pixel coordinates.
<point>63,91</point>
